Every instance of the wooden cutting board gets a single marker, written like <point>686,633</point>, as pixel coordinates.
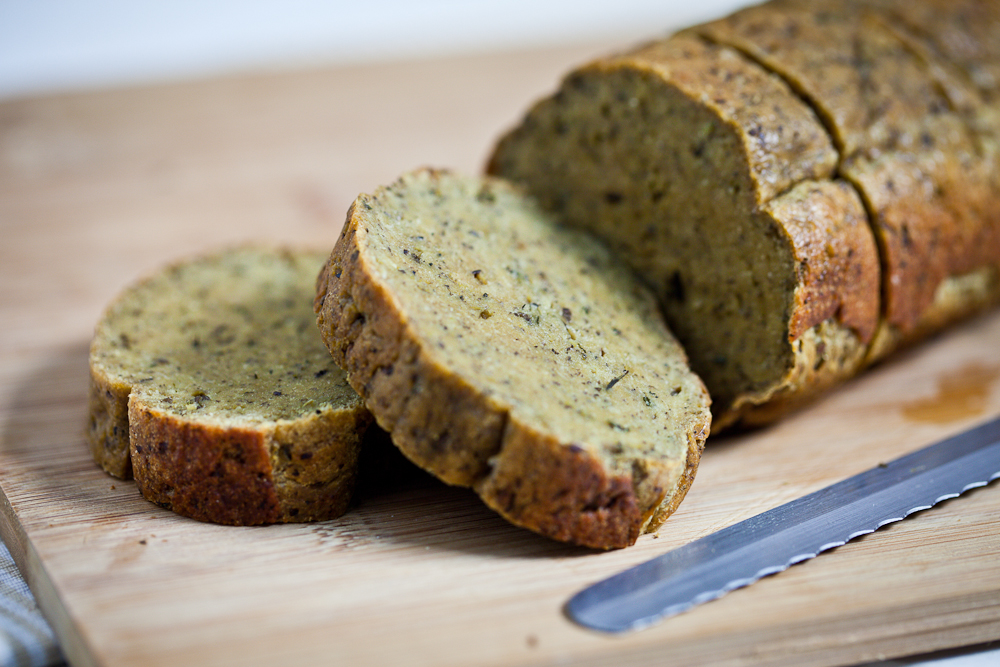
<point>97,189</point>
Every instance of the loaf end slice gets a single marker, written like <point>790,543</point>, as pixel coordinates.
<point>508,354</point>
<point>211,386</point>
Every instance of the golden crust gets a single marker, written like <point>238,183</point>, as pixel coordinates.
<point>836,258</point>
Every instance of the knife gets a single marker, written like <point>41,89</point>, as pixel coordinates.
<point>770,542</point>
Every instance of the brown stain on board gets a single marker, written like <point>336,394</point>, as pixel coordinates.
<point>961,394</point>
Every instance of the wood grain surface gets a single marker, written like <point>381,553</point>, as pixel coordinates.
<point>97,189</point>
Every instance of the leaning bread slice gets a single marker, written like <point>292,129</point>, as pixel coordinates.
<point>211,385</point>
<point>509,354</point>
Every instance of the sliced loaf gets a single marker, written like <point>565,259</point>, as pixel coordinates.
<point>211,385</point>
<point>685,154</point>
<point>916,140</point>
<point>511,355</point>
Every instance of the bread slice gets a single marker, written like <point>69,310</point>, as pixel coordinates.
<point>715,180</point>
<point>508,354</point>
<point>211,385</point>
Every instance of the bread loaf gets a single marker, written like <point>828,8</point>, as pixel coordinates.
<point>211,385</point>
<point>508,354</point>
<point>702,158</point>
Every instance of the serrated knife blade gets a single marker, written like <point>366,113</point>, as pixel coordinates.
<point>770,542</point>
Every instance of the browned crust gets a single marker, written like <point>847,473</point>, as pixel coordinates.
<point>837,259</point>
<point>935,220</point>
<point>561,491</point>
<point>462,436</point>
<point>866,85</point>
<point>202,471</point>
<point>960,36</point>
<point>783,140</point>
<point>246,476</point>
<point>314,462</point>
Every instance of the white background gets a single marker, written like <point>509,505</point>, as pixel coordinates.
<point>53,45</point>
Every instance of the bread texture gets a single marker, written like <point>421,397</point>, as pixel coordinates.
<point>691,155</point>
<point>511,355</point>
<point>210,386</point>
<point>716,182</point>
